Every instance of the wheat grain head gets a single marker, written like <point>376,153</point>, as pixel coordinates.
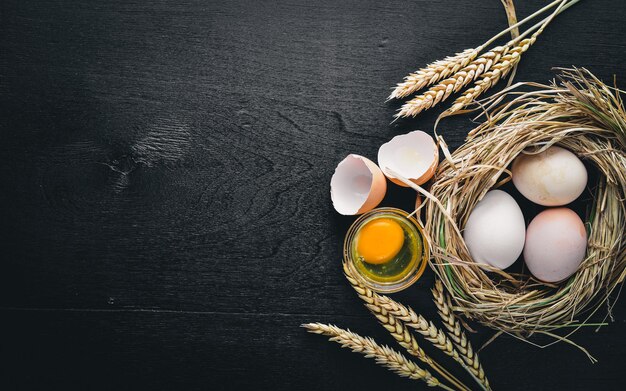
<point>456,333</point>
<point>399,330</point>
<point>433,72</point>
<point>383,355</point>
<point>455,83</point>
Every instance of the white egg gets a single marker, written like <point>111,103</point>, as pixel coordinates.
<point>551,178</point>
<point>556,243</point>
<point>495,230</point>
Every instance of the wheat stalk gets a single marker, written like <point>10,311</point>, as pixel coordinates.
<point>511,16</point>
<point>506,64</point>
<point>444,307</point>
<point>383,355</point>
<point>396,327</point>
<point>491,66</point>
<point>441,69</point>
<point>445,88</point>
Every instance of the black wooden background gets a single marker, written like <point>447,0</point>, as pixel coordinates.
<point>165,219</point>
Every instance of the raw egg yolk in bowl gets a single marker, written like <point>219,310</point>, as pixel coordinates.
<point>387,250</point>
<point>380,240</point>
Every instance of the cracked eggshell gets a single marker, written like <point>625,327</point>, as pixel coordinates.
<point>357,186</point>
<point>413,155</point>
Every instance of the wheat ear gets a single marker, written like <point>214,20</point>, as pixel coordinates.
<point>417,322</point>
<point>452,324</point>
<point>445,88</point>
<point>398,330</point>
<point>493,76</point>
<point>383,355</point>
<point>431,333</point>
<point>491,66</point>
<point>441,69</point>
<point>379,304</point>
<point>506,64</point>
<point>433,72</point>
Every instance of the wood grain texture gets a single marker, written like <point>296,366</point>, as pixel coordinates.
<point>164,211</point>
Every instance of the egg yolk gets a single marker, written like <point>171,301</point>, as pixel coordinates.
<point>380,240</point>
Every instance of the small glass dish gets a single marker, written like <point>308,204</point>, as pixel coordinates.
<point>404,268</point>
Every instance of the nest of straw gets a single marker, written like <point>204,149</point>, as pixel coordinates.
<point>580,113</point>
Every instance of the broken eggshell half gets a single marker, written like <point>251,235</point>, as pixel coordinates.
<point>413,155</point>
<point>357,185</point>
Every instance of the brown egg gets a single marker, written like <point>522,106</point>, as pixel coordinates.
<point>556,243</point>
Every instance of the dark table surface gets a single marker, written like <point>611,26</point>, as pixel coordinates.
<point>165,220</point>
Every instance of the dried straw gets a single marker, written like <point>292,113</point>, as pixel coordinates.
<point>581,114</point>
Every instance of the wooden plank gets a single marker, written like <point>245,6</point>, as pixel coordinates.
<point>175,156</point>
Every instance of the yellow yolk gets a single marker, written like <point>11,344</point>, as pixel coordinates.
<point>380,240</point>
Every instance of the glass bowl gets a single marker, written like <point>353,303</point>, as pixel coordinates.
<point>407,265</point>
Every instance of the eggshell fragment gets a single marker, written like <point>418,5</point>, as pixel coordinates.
<point>413,155</point>
<point>495,230</point>
<point>357,185</point>
<point>556,243</point>
<point>551,178</point>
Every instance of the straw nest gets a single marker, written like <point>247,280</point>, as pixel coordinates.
<point>579,113</point>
